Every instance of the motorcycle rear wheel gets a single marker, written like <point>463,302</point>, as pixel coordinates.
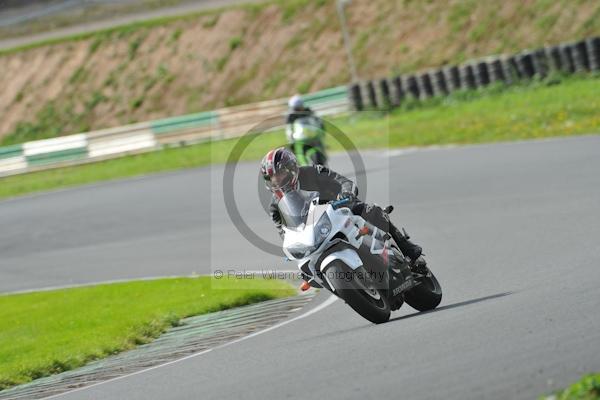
<point>427,295</point>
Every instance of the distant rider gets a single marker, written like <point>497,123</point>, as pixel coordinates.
<point>281,173</point>
<point>309,151</point>
<point>297,109</point>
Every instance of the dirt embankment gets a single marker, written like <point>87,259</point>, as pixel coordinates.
<point>252,53</point>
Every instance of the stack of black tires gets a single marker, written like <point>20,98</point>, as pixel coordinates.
<point>568,58</point>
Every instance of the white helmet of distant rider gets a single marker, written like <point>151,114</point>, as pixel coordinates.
<point>296,103</point>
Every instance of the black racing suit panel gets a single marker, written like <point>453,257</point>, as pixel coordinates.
<point>294,115</point>
<point>330,185</point>
<point>317,178</point>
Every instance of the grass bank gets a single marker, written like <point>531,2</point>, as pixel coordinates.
<point>207,60</point>
<point>45,333</point>
<point>588,388</point>
<point>529,111</point>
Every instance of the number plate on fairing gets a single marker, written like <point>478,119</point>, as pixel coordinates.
<point>402,287</point>
<point>401,278</point>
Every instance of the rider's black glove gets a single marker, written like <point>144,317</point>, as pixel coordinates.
<point>276,217</point>
<point>275,214</point>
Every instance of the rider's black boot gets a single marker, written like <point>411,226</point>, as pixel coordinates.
<point>380,218</point>
<point>408,248</point>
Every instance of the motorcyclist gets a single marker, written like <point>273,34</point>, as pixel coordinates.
<point>281,173</point>
<point>309,151</point>
<point>297,109</point>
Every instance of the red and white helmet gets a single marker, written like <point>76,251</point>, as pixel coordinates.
<point>279,169</point>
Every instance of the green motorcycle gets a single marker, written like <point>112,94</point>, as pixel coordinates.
<point>305,136</point>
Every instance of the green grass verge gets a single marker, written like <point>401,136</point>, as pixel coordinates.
<point>536,110</point>
<point>588,388</point>
<point>44,333</point>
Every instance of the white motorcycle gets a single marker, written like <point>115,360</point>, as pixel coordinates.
<point>356,261</point>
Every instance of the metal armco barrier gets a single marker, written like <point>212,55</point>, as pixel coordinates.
<point>116,141</point>
<point>148,136</point>
<point>567,58</point>
<point>12,159</point>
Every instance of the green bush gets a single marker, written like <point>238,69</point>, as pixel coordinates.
<point>588,388</point>
<point>235,42</point>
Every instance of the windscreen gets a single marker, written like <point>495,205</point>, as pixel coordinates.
<point>309,122</point>
<point>294,206</point>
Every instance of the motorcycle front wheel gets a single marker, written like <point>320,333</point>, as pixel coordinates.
<point>359,291</point>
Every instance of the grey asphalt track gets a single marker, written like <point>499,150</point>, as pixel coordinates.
<point>191,6</point>
<point>511,231</point>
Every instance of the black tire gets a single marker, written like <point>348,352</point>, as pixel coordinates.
<point>426,296</point>
<point>352,287</point>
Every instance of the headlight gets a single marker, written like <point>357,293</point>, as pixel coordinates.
<point>322,229</point>
<point>299,251</point>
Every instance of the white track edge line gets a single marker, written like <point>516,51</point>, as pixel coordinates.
<point>402,151</point>
<point>330,300</point>
<point>266,272</point>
